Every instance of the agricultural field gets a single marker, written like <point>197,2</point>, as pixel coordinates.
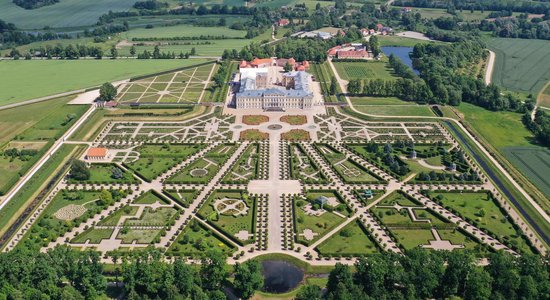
<point>58,76</point>
<point>69,13</point>
<point>521,65</point>
<point>183,30</point>
<point>545,97</point>
<point>364,70</point>
<point>534,162</point>
<point>184,86</point>
<point>467,15</point>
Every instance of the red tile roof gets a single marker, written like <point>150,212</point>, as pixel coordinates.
<point>96,152</point>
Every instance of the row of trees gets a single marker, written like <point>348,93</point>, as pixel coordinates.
<point>538,7</point>
<point>423,274</point>
<point>32,4</point>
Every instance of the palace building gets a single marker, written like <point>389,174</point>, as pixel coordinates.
<point>263,85</point>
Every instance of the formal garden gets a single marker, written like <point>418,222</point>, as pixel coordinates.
<point>233,212</point>
<point>302,167</point>
<point>156,159</point>
<point>317,213</point>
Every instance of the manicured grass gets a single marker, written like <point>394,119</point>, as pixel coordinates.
<point>320,225</point>
<point>456,237</point>
<point>103,173</point>
<point>203,169</point>
<point>294,120</point>
<point>254,119</point>
<point>150,197</point>
<point>295,135</point>
<point>398,198</point>
<point>184,197</point>
<point>397,110</point>
<point>195,239</point>
<point>93,235</point>
<point>364,70</point>
<point>521,65</point>
<point>301,165</point>
<point>352,172</point>
<point>68,13</point>
<point>141,236</point>
<point>352,240</point>
<point>482,210</point>
<point>245,168</point>
<point>378,101</point>
<point>57,76</point>
<point>114,218</point>
<point>253,135</point>
<point>153,217</point>
<point>203,47</point>
<point>227,222</point>
<point>412,238</point>
<point>155,160</point>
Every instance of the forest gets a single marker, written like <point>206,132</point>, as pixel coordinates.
<point>32,4</point>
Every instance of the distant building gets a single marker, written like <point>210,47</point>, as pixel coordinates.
<point>317,35</point>
<point>283,22</point>
<point>96,153</point>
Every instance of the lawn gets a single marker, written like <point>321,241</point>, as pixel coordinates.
<point>353,172</point>
<point>456,237</point>
<point>396,110</point>
<point>114,218</point>
<point>141,236</point>
<point>412,238</point>
<point>195,240</point>
<point>150,197</point>
<point>183,197</point>
<point>153,217</point>
<point>320,225</point>
<point>254,119</point>
<point>294,120</point>
<point>352,240</point>
<point>398,198</point>
<point>359,101</point>
<point>155,160</point>
<point>201,170</point>
<point>295,135</point>
<point>521,65</point>
<point>253,135</point>
<point>103,173</point>
<point>227,221</point>
<point>57,76</point>
<point>202,47</point>
<point>245,168</point>
<point>482,210</point>
<point>93,235</point>
<point>364,70</point>
<point>67,13</point>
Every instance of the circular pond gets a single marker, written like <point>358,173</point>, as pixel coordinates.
<point>280,276</point>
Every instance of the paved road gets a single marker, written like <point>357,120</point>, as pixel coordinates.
<point>471,138</point>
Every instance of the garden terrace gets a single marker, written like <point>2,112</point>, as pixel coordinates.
<point>302,167</point>
<point>246,168</point>
<point>196,239</point>
<point>254,119</point>
<point>352,241</point>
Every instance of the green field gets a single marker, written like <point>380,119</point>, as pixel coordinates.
<point>364,70</point>
<point>353,240</point>
<point>534,162</point>
<point>467,15</point>
<point>66,13</point>
<point>396,110</point>
<point>521,65</point>
<point>56,76</point>
<point>378,101</point>
<point>500,129</point>
<point>399,41</point>
<point>180,31</point>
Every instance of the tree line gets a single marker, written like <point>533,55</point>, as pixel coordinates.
<point>64,273</point>
<point>534,7</point>
<point>423,274</point>
<point>32,4</point>
<point>540,125</point>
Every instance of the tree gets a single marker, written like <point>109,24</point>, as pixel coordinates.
<point>184,277</point>
<point>309,292</point>
<point>333,84</point>
<point>79,170</point>
<point>88,277</point>
<point>478,285</point>
<point>105,198</point>
<point>374,45</point>
<point>114,52</point>
<point>213,271</point>
<point>133,50</point>
<point>248,278</point>
<point>107,92</point>
<point>288,67</point>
